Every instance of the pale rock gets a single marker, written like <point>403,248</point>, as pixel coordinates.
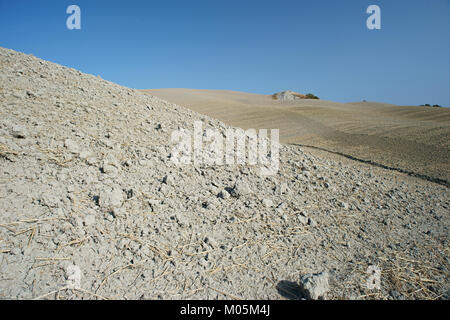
<point>71,146</point>
<point>111,199</point>
<point>315,286</point>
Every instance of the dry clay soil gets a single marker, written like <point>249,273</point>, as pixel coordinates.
<point>406,138</point>
<point>87,183</point>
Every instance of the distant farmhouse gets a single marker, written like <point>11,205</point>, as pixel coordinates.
<point>289,95</point>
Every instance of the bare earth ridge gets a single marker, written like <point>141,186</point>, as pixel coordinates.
<point>412,139</point>
<point>92,207</point>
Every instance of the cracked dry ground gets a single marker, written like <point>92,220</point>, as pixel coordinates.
<point>86,180</point>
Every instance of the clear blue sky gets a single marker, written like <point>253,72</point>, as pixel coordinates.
<point>256,46</point>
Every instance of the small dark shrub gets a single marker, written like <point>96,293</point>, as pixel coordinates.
<point>311,96</point>
<point>433,106</point>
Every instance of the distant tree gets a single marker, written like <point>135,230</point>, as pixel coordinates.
<point>433,106</point>
<point>311,96</point>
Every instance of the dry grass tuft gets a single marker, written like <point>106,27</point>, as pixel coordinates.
<point>5,151</point>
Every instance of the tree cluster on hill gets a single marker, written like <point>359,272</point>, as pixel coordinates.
<point>433,106</point>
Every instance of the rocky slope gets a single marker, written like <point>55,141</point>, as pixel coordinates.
<point>403,138</point>
<point>86,180</point>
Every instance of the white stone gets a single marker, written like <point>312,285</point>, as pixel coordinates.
<point>315,286</point>
<point>72,146</point>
